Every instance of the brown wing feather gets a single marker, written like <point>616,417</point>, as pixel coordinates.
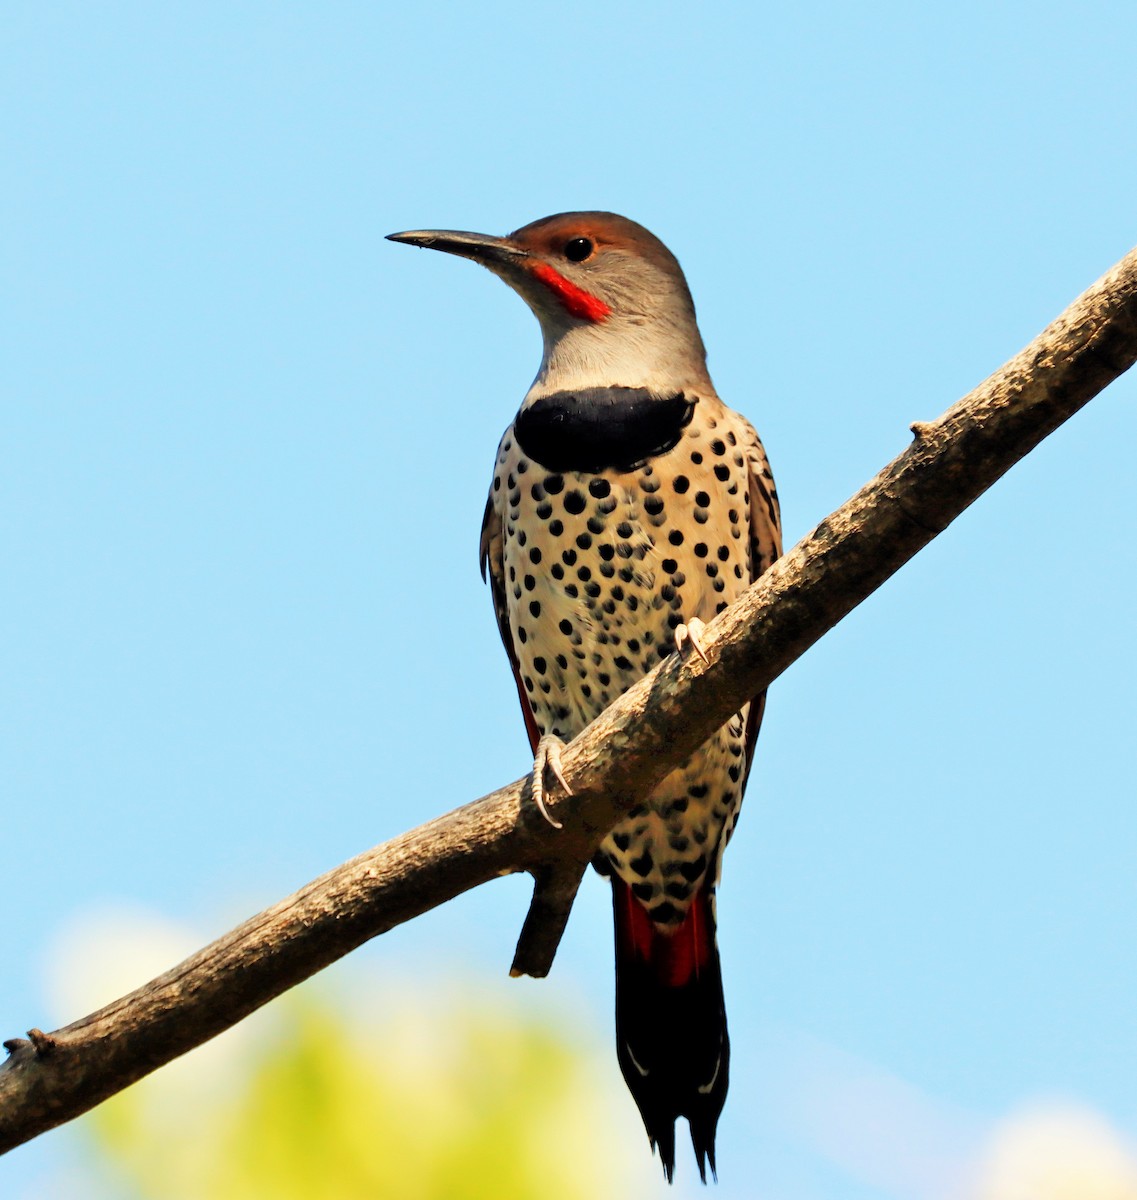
<point>493,568</point>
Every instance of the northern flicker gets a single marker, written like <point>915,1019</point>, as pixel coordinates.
<point>628,506</point>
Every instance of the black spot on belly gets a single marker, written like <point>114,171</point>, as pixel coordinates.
<point>643,891</point>
<point>643,864</point>
<point>600,488</point>
<point>722,472</point>
<point>621,840</point>
<point>554,484</point>
<point>653,506</point>
<point>574,502</point>
<point>681,483</point>
<point>692,870</point>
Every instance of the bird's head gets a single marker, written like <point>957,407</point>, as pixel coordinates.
<point>613,304</point>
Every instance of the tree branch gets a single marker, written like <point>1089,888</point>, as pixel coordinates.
<point>51,1078</point>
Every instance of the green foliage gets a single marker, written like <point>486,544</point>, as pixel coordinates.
<point>450,1099</point>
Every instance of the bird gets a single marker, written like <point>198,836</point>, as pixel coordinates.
<point>629,506</point>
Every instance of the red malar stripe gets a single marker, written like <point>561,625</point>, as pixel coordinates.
<point>575,300</point>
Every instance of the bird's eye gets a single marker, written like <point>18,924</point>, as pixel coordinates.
<point>578,249</point>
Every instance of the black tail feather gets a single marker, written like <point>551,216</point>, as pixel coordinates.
<point>671,1034</point>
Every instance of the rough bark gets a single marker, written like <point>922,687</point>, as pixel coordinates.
<point>51,1078</point>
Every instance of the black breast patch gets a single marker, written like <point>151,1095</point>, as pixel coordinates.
<point>596,429</point>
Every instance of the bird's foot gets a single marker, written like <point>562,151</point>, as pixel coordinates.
<point>548,759</point>
<point>690,637</point>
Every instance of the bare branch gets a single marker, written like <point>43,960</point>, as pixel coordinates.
<point>52,1078</point>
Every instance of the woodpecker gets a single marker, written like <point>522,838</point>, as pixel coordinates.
<point>628,507</point>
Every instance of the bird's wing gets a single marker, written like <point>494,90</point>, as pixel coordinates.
<point>493,569</point>
<point>765,548</point>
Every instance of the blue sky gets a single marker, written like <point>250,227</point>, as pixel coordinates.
<point>247,444</point>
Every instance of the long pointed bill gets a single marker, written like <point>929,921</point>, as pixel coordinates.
<point>481,247</point>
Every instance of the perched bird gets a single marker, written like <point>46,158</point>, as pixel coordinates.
<point>629,505</point>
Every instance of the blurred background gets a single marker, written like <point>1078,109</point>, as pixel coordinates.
<point>246,445</point>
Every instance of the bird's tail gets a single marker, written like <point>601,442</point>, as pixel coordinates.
<point>671,1036</point>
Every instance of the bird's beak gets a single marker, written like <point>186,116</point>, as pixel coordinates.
<point>481,247</point>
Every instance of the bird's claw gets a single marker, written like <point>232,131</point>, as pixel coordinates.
<point>548,758</point>
<point>691,636</point>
